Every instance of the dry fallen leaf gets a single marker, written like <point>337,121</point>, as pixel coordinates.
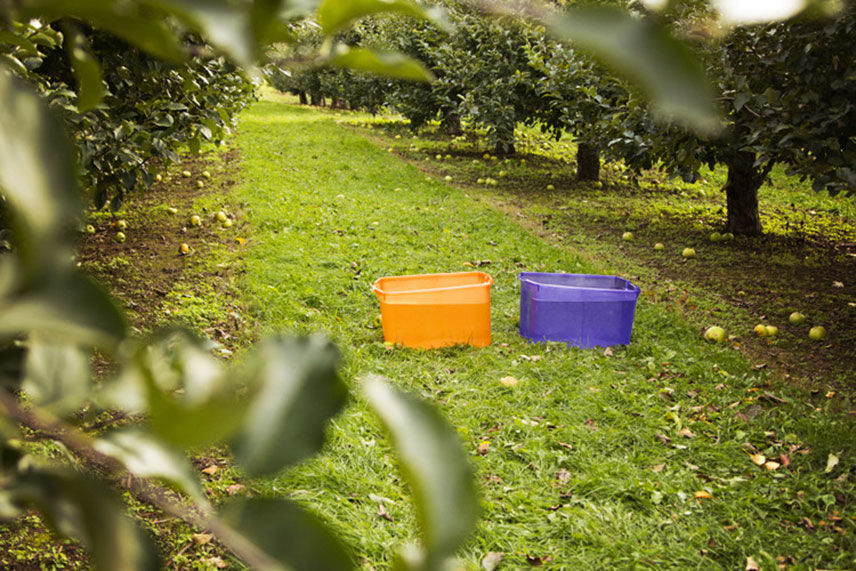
<point>491,560</point>
<point>659,468</point>
<point>202,538</point>
<point>215,562</point>
<point>381,511</point>
<point>211,470</point>
<point>837,284</point>
<point>785,459</point>
<point>235,489</point>
<point>702,495</point>
<point>831,462</point>
<point>758,459</point>
<point>509,381</point>
<point>536,560</point>
<point>830,394</point>
<point>662,438</point>
<point>771,466</point>
<point>590,423</point>
<point>686,433</point>
<point>607,352</point>
<point>484,446</point>
<point>752,565</point>
<point>563,476</point>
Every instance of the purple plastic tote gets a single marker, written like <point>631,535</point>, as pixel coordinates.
<point>583,310</point>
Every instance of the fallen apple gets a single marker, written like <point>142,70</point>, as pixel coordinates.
<point>120,237</point>
<point>688,253</point>
<point>227,223</point>
<point>184,249</point>
<point>206,174</point>
<point>551,187</point>
<point>447,178</point>
<point>221,216</point>
<point>772,331</point>
<point>439,157</point>
<point>796,318</point>
<point>817,333</point>
<point>760,330</point>
<point>659,246</point>
<point>121,224</point>
<point>627,236</point>
<point>715,333</point>
<point>195,220</point>
<point>480,181</point>
<point>186,174</point>
<point>158,178</point>
<point>90,229</point>
<point>199,184</point>
<point>727,237</point>
<point>715,237</point>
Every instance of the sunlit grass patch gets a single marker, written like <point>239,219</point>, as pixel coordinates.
<point>637,456</point>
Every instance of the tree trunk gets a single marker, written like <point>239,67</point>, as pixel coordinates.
<point>588,162</point>
<point>741,194</point>
<point>505,147</point>
<point>303,99</point>
<point>452,123</point>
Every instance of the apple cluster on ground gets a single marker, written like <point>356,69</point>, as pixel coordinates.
<point>121,225</point>
<point>718,335</point>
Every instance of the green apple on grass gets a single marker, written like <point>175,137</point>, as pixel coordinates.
<point>796,318</point>
<point>716,334</point>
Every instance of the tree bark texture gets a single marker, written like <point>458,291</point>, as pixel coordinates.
<point>741,194</point>
<point>452,123</point>
<point>588,162</point>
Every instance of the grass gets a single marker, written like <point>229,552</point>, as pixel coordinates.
<point>593,460</point>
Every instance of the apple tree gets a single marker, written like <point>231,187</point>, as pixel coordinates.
<point>785,91</point>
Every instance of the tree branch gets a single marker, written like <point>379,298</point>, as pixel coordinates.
<point>202,517</point>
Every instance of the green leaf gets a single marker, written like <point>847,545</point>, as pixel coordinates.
<point>82,508</point>
<point>14,64</point>
<point>132,21</point>
<point>37,177</point>
<point>226,25</point>
<point>183,388</point>
<point>87,71</point>
<point>289,534</point>
<point>391,64</point>
<point>68,305</point>
<point>146,457</point>
<point>644,51</point>
<point>296,391</point>
<point>434,464</point>
<point>267,22</point>
<point>56,375</point>
<point>336,15</point>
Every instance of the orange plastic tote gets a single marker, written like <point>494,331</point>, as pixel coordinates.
<point>436,310</point>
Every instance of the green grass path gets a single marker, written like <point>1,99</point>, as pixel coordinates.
<point>593,459</point>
